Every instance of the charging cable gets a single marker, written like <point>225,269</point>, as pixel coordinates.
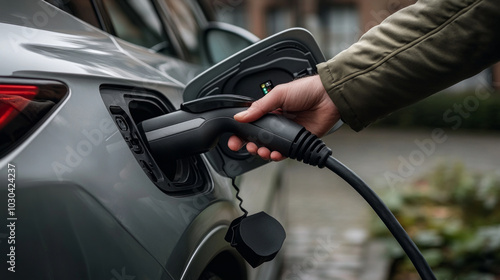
<point>311,150</point>
<point>197,127</point>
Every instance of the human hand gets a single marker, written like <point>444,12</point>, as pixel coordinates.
<point>305,101</point>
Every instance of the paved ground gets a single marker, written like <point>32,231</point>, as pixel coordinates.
<point>328,228</point>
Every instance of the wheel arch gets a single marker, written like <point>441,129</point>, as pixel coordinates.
<point>206,247</point>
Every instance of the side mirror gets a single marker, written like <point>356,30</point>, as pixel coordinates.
<point>221,40</point>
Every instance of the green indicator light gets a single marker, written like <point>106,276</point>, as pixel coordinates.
<point>266,87</point>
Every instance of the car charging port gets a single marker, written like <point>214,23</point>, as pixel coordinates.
<point>177,171</point>
<point>174,176</point>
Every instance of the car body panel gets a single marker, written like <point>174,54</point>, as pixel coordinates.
<point>79,150</point>
<point>79,237</point>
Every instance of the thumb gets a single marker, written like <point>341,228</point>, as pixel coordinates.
<point>266,104</point>
<point>249,115</point>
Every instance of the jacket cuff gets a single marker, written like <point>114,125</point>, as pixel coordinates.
<point>346,112</point>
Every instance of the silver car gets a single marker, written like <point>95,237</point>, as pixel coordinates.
<point>81,196</point>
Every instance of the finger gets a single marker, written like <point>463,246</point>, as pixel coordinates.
<point>252,148</point>
<point>235,143</point>
<point>264,153</point>
<point>266,104</point>
<point>276,156</point>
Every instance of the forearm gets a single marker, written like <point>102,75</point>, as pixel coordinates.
<point>416,52</point>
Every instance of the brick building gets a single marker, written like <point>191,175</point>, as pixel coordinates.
<point>336,24</point>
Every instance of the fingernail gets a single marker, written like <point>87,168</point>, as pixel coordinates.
<point>241,114</point>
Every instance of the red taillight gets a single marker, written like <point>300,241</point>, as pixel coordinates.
<point>21,90</point>
<point>13,99</point>
<point>24,104</point>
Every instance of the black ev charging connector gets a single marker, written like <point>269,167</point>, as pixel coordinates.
<point>197,127</point>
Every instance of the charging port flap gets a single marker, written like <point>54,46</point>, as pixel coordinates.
<point>254,72</point>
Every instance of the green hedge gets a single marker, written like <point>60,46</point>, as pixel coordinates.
<point>467,110</point>
<point>453,216</point>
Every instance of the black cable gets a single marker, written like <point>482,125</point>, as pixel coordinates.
<point>239,197</point>
<point>385,215</point>
<point>309,149</point>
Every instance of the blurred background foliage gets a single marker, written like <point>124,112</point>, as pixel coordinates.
<point>452,214</point>
<point>336,24</point>
<point>446,108</point>
<point>453,217</point>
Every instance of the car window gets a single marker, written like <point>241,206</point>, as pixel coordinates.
<point>137,21</point>
<point>186,26</point>
<point>82,9</point>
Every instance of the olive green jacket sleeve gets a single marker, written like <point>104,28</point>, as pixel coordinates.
<point>415,52</point>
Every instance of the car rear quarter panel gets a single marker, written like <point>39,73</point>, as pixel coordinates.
<point>79,145</point>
